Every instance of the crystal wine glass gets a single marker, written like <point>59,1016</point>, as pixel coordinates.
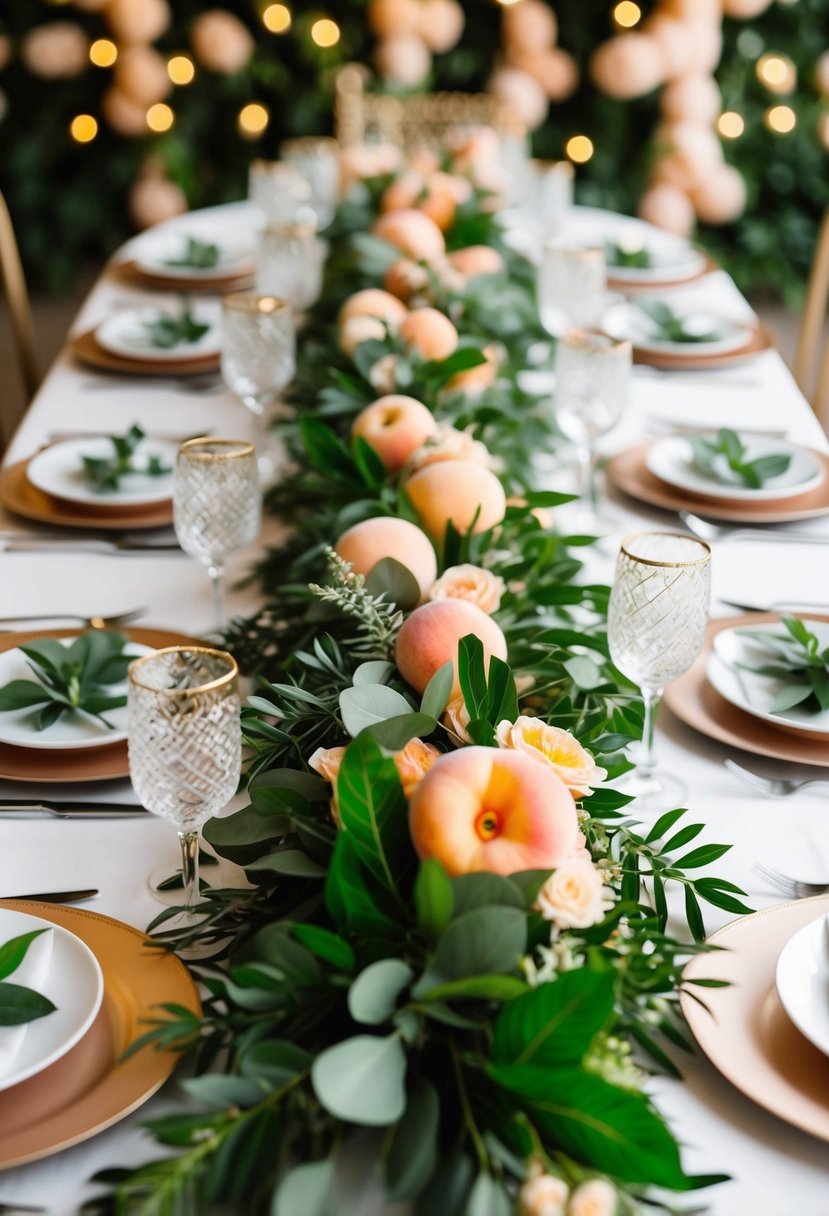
<point>551,194</point>
<point>217,504</point>
<point>317,159</point>
<point>279,191</point>
<point>185,750</point>
<point>657,619</point>
<point>289,265</point>
<point>592,384</point>
<point>258,357</point>
<point>571,288</point>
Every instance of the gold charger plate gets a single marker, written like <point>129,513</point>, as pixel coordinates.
<point>759,341</point>
<point>131,272</point>
<point>629,472</point>
<point>747,1035</point>
<point>22,498</point>
<point>91,1087</point>
<point>693,700</point>
<point>86,347</point>
<point>84,764</point>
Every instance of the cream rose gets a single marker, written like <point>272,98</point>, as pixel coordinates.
<point>594,1198</point>
<point>326,761</point>
<point>456,720</point>
<point>451,444</point>
<point>413,763</point>
<point>544,1195</point>
<point>555,747</point>
<point>574,896</point>
<point>467,582</point>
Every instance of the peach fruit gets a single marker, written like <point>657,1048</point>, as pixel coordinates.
<point>412,232</point>
<point>367,543</point>
<point>456,490</point>
<point>476,379</point>
<point>429,637</point>
<point>373,302</point>
<point>395,426</point>
<point>430,333</point>
<point>482,809</point>
<point>476,259</point>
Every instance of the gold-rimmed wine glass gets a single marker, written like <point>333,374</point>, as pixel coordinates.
<point>571,288</point>
<point>185,750</point>
<point>217,504</point>
<point>289,265</point>
<point>657,620</point>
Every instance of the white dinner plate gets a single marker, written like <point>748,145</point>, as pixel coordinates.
<point>58,470</point>
<point>755,694</point>
<point>72,730</point>
<point>69,975</point>
<point>625,320</point>
<point>126,333</point>
<point>155,254</point>
<point>802,981</point>
<point>672,460</point>
<point>668,261</point>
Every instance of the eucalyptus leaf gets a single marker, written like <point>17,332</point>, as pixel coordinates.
<point>305,1189</point>
<point>372,998</point>
<point>476,943</point>
<point>391,578</point>
<point>438,691</point>
<point>413,1150</point>
<point>361,1080</point>
<point>368,704</point>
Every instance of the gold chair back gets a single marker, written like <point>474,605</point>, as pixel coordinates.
<point>17,296</point>
<point>812,325</point>
<point>410,122</point>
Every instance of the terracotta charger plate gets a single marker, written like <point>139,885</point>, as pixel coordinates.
<point>92,1087</point>
<point>87,349</point>
<point>747,1035</point>
<point>216,284</point>
<point>21,497</point>
<point>693,700</point>
<point>629,287</point>
<point>82,764</point>
<point>759,341</point>
<point>629,472</point>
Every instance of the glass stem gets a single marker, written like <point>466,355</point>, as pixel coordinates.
<point>190,868</point>
<point>647,757</point>
<point>587,488</point>
<point>215,573</point>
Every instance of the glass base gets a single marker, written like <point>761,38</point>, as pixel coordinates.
<point>653,793</point>
<point>198,950</point>
<point>165,882</point>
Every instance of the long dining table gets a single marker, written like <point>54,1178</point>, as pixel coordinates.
<point>776,1170</point>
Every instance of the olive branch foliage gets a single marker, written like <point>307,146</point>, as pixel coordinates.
<point>351,987</point>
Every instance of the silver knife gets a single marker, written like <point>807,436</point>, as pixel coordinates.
<point>26,807</point>
<point>58,897</point>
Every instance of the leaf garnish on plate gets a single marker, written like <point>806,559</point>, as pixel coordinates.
<point>166,330</point>
<point>798,661</point>
<point>729,445</point>
<point>669,326</point>
<point>70,678</point>
<point>19,1004</point>
<point>105,472</point>
<point>627,257</point>
<point>198,255</point>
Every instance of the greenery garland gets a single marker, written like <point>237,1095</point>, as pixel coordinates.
<point>479,1028</point>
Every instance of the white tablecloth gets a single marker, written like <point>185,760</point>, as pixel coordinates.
<point>777,1170</point>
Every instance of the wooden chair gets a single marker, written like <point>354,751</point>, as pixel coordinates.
<point>17,297</point>
<point>811,327</point>
<point>409,122</point>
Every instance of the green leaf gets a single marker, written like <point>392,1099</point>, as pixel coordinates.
<point>789,697</point>
<point>702,856</point>
<point>477,943</point>
<point>305,1189</point>
<point>373,809</point>
<point>479,987</point>
<point>326,945</point>
<point>413,1149</point>
<point>217,1092</point>
<point>391,578</point>
<point>438,691</point>
<point>501,694</point>
<point>19,1005</point>
<point>291,862</point>
<point>488,1198</point>
<point>347,895</point>
<point>584,673</point>
<point>275,1061</point>
<point>13,952</point>
<point>555,1023</point>
<point>376,671</point>
<point>600,1125</point>
<point>448,1189</point>
<point>472,674</point>
<point>483,890</point>
<point>434,898</point>
<point>395,733</point>
<point>361,1080</point>
<point>372,998</point>
<point>21,694</point>
<point>368,704</point>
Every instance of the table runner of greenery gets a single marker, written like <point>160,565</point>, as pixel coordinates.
<point>494,1038</point>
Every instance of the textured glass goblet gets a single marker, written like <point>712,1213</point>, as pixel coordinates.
<point>217,504</point>
<point>592,384</point>
<point>551,194</point>
<point>185,750</point>
<point>258,357</point>
<point>317,158</point>
<point>657,619</point>
<point>571,288</point>
<point>289,265</point>
<point>279,191</point>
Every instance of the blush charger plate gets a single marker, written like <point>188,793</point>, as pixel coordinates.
<point>747,1034</point>
<point>131,272</point>
<point>22,498</point>
<point>693,700</point>
<point>759,341</point>
<point>628,472</point>
<point>92,1087</point>
<point>108,763</point>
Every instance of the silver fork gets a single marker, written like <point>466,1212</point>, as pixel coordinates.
<point>89,622</point>
<point>705,530</point>
<point>791,888</point>
<point>777,787</point>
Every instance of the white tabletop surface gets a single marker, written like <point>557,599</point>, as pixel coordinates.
<point>777,1171</point>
